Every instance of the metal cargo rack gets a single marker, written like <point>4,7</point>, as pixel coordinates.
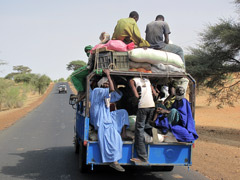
<point>192,85</point>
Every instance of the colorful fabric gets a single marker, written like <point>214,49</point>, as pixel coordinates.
<point>127,31</point>
<point>184,130</point>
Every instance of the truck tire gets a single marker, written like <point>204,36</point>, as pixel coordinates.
<point>162,168</point>
<point>82,159</point>
<point>76,145</point>
<point>168,168</point>
<point>157,168</point>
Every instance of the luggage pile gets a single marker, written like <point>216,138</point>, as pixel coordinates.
<point>126,58</point>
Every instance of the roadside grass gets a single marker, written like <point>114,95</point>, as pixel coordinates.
<point>13,95</point>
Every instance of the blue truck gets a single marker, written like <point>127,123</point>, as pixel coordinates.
<point>163,155</point>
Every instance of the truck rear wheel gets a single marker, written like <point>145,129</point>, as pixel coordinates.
<point>76,145</point>
<point>83,167</point>
<point>168,168</point>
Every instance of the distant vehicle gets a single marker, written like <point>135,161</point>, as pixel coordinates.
<point>62,88</point>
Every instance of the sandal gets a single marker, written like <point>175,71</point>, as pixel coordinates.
<point>117,167</point>
<point>139,161</point>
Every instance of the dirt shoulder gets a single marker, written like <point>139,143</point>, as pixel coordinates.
<point>9,117</point>
<point>217,151</point>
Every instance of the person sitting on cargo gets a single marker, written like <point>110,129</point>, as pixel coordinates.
<point>90,63</point>
<point>144,91</point>
<point>78,77</point>
<point>127,31</point>
<point>104,38</point>
<point>157,34</point>
<point>110,125</point>
<point>178,119</point>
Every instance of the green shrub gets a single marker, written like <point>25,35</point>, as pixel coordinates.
<point>14,98</point>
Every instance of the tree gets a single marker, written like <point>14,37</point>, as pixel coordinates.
<point>22,69</point>
<point>23,78</point>
<point>74,65</point>
<point>215,63</point>
<point>61,80</point>
<point>40,82</point>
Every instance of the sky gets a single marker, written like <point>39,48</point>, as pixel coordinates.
<point>45,35</point>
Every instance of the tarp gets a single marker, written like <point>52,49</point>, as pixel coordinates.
<point>78,78</point>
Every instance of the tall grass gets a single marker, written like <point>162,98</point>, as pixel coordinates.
<point>12,95</point>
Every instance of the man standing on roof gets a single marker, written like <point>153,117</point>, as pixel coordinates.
<point>127,31</point>
<point>157,34</point>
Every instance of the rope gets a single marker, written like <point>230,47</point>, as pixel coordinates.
<point>96,59</point>
<point>112,64</point>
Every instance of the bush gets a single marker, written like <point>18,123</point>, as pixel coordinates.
<point>14,99</point>
<point>11,96</point>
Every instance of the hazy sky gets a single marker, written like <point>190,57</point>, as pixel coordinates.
<point>45,35</point>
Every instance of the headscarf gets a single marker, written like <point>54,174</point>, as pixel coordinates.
<point>180,91</point>
<point>87,49</point>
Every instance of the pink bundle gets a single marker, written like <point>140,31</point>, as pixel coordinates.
<point>115,45</point>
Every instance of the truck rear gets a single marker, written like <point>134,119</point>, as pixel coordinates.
<point>162,155</point>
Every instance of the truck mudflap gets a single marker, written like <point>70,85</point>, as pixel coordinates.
<point>170,154</point>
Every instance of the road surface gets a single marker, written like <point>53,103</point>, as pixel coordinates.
<point>40,147</point>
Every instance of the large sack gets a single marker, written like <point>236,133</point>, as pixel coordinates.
<point>153,56</point>
<point>166,68</point>
<point>137,65</point>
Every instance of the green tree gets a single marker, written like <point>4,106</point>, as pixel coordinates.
<point>22,69</point>
<point>61,80</point>
<point>11,75</point>
<point>23,78</point>
<point>74,65</point>
<point>41,82</point>
<point>215,62</point>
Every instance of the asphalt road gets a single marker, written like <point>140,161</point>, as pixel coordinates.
<point>40,147</point>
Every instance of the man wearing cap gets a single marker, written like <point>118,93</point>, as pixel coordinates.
<point>110,125</point>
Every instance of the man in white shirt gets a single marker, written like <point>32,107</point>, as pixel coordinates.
<point>144,91</point>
